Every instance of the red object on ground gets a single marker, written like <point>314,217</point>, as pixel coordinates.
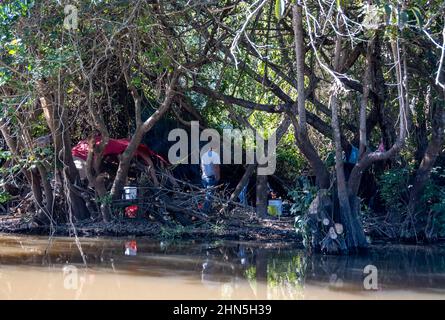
<point>114,147</point>
<point>131,248</point>
<point>131,211</point>
<point>131,245</point>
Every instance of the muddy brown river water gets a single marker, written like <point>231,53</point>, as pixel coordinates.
<point>138,268</point>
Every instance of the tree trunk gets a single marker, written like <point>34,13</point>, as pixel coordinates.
<point>370,157</point>
<point>261,195</point>
<point>56,117</point>
<point>48,190</point>
<point>280,132</point>
<point>77,204</point>
<point>141,130</point>
<point>301,136</point>
<point>354,238</point>
<point>250,168</point>
<point>318,166</point>
<point>432,152</point>
<point>31,175</point>
<point>94,174</point>
<point>101,191</point>
<point>299,52</point>
<point>124,164</point>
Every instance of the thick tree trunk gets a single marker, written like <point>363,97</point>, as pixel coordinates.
<point>56,117</point>
<point>318,166</point>
<point>124,164</point>
<point>301,135</point>
<point>38,174</point>
<point>141,130</point>
<point>250,168</point>
<point>385,119</point>
<point>346,215</point>
<point>77,204</point>
<point>101,192</point>
<point>370,157</point>
<point>299,52</point>
<point>262,189</point>
<point>31,175</point>
<point>354,234</point>
<point>36,189</point>
<point>94,174</point>
<point>432,152</point>
<point>48,190</point>
<point>261,195</point>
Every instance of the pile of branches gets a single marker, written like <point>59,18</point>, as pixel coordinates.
<point>179,201</point>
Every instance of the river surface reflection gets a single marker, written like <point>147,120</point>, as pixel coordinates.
<point>138,268</point>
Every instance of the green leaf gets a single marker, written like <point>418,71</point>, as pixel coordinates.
<point>137,82</point>
<point>4,197</point>
<point>418,15</point>
<point>279,8</point>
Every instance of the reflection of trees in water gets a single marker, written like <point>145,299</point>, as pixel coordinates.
<point>243,270</point>
<point>272,274</point>
<point>411,266</point>
<point>223,270</point>
<point>268,275</point>
<point>285,276</point>
<point>402,267</point>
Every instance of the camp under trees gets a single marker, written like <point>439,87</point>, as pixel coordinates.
<point>351,92</point>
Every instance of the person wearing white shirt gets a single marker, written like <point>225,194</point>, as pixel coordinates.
<point>210,167</point>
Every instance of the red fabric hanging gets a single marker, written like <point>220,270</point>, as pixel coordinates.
<point>114,147</point>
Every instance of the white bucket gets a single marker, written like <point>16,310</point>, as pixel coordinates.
<point>81,166</point>
<point>130,193</point>
<point>278,204</point>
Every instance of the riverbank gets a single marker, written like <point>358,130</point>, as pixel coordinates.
<point>252,229</point>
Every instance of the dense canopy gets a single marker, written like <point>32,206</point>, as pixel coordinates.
<point>354,89</point>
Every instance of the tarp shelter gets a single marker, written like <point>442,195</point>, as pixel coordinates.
<point>115,147</point>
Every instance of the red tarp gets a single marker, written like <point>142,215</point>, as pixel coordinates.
<point>114,147</point>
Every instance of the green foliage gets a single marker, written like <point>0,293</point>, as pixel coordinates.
<point>35,46</point>
<point>10,11</point>
<point>280,6</point>
<point>39,127</point>
<point>409,15</point>
<point>219,228</point>
<point>5,155</point>
<point>438,210</point>
<point>393,189</point>
<point>175,232</point>
<point>290,162</point>
<point>302,228</point>
<point>433,199</point>
<point>289,273</point>
<point>302,196</point>
<point>105,200</point>
<point>4,197</point>
<point>250,273</point>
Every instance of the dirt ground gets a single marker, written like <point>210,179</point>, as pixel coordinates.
<point>232,228</point>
